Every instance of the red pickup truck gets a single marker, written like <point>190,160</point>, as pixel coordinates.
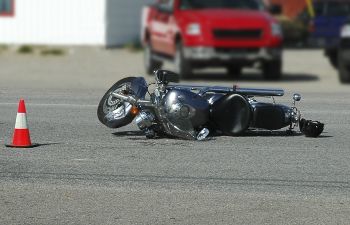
<point>212,33</point>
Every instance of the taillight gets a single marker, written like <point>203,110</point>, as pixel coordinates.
<point>134,110</point>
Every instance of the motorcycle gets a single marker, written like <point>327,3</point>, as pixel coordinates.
<point>193,112</point>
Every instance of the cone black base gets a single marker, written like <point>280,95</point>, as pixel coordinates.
<point>15,146</point>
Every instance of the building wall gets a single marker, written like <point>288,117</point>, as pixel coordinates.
<point>291,8</point>
<point>55,22</point>
<point>124,20</point>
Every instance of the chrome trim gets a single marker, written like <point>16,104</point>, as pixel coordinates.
<point>296,97</point>
<point>208,53</point>
<point>243,91</point>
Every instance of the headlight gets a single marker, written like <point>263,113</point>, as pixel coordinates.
<point>345,31</point>
<point>276,29</point>
<point>193,29</point>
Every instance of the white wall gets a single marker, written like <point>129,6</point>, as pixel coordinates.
<point>73,22</point>
<point>56,22</point>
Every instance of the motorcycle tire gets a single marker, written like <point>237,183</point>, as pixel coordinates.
<point>344,70</point>
<point>105,108</point>
<point>272,70</point>
<point>150,64</point>
<point>183,67</point>
<point>234,71</point>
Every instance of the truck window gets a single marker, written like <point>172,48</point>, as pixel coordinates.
<point>320,8</point>
<point>338,9</point>
<point>230,4</point>
<point>166,5</point>
<point>332,8</point>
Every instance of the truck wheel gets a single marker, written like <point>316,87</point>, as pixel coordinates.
<point>272,70</point>
<point>150,64</point>
<point>333,59</point>
<point>183,67</point>
<point>344,70</point>
<point>234,71</point>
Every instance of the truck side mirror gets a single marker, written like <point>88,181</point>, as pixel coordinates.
<point>275,9</point>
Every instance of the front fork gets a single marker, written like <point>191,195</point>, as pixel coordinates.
<point>295,114</point>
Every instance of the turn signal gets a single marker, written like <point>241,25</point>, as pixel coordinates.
<point>134,110</point>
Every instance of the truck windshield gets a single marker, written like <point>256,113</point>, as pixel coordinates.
<point>336,8</point>
<point>221,4</point>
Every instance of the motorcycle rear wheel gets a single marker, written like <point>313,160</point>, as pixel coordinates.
<point>113,112</point>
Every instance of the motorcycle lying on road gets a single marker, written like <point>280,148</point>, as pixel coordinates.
<point>193,112</point>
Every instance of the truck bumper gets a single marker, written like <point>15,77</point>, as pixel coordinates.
<point>207,54</point>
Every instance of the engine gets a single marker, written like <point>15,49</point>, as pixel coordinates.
<point>183,105</point>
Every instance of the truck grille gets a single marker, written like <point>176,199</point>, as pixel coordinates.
<point>237,34</point>
<point>237,50</point>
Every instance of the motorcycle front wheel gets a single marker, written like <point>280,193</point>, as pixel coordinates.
<point>113,112</point>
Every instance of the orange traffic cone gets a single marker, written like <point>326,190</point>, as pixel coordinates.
<point>21,136</point>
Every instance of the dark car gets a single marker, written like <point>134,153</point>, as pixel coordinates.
<point>344,54</point>
<point>325,26</point>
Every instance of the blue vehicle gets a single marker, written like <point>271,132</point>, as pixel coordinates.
<point>325,26</point>
<point>344,54</point>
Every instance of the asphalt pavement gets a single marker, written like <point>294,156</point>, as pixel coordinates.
<point>85,173</point>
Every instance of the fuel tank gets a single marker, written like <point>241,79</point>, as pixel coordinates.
<point>186,105</point>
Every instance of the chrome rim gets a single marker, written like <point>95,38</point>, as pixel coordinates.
<point>113,104</point>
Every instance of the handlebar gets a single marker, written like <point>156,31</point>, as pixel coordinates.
<point>237,90</point>
<point>131,99</point>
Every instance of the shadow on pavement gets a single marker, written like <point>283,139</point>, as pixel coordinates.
<point>47,144</point>
<point>290,77</point>
<point>32,146</point>
<point>140,136</point>
<point>129,133</point>
<point>325,136</point>
<point>135,135</point>
<point>263,133</point>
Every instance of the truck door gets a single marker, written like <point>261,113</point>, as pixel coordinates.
<point>161,27</point>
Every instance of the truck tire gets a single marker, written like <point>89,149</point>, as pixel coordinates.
<point>272,70</point>
<point>344,70</point>
<point>333,59</point>
<point>332,55</point>
<point>183,67</point>
<point>150,64</point>
<point>234,71</point>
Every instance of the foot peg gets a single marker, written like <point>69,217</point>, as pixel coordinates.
<point>311,128</point>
